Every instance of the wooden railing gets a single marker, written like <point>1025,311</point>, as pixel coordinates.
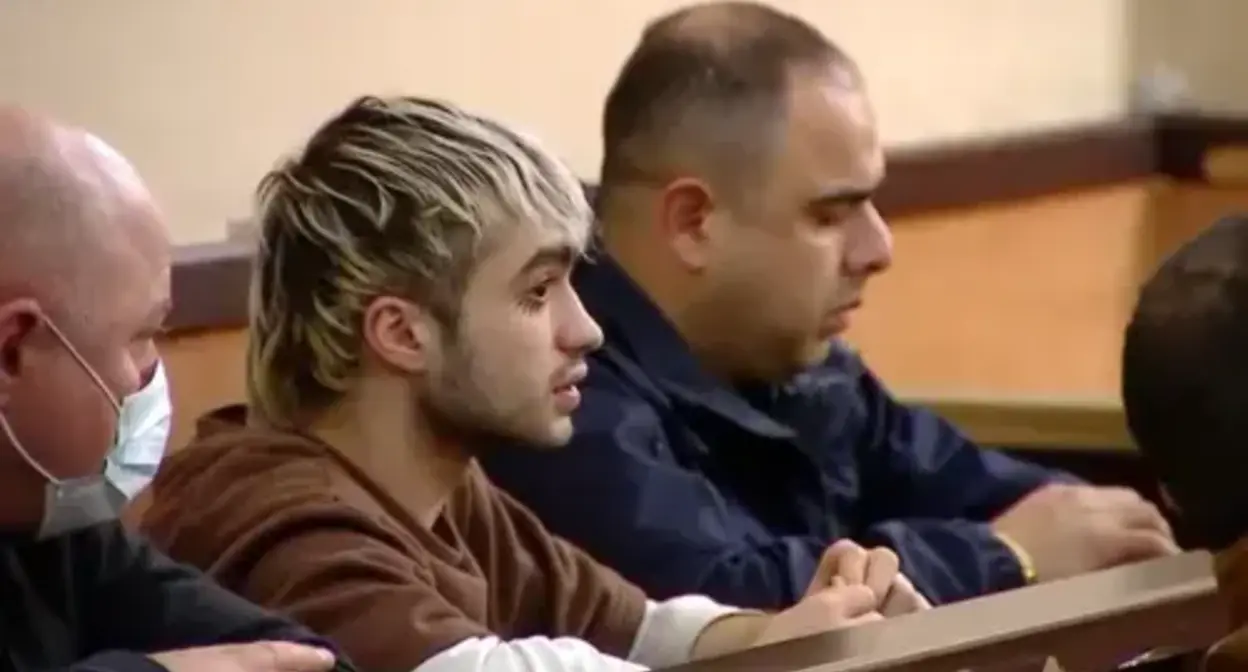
<point>1088,623</point>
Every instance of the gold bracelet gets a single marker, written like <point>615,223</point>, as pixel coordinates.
<point>1025,563</point>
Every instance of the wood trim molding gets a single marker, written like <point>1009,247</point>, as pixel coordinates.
<point>959,174</point>
<point>1183,141</point>
<point>1034,423</point>
<point>210,285</point>
<point>210,280</point>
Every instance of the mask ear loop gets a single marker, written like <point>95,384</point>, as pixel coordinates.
<point>99,382</point>
<point>82,361</point>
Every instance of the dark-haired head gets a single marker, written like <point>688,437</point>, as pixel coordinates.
<point>740,159</point>
<point>706,91</point>
<point>1185,381</point>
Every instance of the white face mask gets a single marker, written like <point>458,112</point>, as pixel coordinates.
<point>143,421</point>
<point>143,429</point>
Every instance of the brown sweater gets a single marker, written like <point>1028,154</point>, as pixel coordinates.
<point>292,524</point>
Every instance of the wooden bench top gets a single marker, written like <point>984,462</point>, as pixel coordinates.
<point>1086,622</point>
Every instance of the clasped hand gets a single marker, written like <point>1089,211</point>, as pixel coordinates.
<point>852,585</point>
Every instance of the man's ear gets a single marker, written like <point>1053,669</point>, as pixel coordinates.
<point>684,208</point>
<point>18,319</point>
<point>399,333</point>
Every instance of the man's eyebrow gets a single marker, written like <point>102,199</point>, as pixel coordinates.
<point>842,195</point>
<point>562,255</point>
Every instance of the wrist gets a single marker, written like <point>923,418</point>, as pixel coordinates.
<point>677,629</point>
<point>1026,565</point>
<point>731,633</point>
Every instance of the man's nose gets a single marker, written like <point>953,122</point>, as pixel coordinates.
<point>870,248</point>
<point>580,332</point>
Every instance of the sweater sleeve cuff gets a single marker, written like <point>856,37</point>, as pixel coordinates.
<point>670,629</point>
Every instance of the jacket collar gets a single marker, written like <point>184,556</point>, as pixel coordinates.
<point>636,328</point>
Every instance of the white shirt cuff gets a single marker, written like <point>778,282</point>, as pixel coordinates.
<point>670,629</point>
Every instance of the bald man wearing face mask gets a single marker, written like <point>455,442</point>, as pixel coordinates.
<point>84,415</point>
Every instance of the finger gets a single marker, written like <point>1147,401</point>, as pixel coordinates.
<point>882,567</point>
<point>904,598</point>
<point>828,564</point>
<point>849,601</point>
<point>1167,530</point>
<point>852,565</point>
<point>869,617</point>
<point>1158,521</point>
<point>1143,516</point>
<point>288,657</point>
<point>1134,546</point>
<point>835,585</point>
<point>1135,512</point>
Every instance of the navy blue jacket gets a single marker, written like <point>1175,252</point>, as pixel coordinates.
<point>686,486</point>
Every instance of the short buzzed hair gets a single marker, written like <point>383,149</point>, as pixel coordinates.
<point>706,89</point>
<point>392,197</point>
<point>1185,381</point>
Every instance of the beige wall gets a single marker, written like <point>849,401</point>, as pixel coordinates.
<point>205,94</point>
<point>1202,40</point>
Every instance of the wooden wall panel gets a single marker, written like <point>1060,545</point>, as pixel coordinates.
<point>1024,298</point>
<point>205,370</point>
<point>1180,210</point>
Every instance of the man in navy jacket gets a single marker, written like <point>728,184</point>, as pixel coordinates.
<point>726,435</point>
